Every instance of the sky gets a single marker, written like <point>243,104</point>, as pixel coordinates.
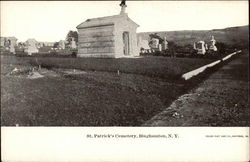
<point>52,20</point>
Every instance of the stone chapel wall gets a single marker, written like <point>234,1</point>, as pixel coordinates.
<point>96,41</point>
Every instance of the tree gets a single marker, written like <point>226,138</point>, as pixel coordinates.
<point>20,44</point>
<point>221,47</point>
<point>72,34</point>
<point>172,45</point>
<point>56,45</point>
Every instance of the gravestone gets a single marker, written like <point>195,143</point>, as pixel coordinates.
<point>165,44</point>
<point>62,44</point>
<point>7,44</point>
<point>155,43</point>
<point>160,47</point>
<point>206,47</point>
<point>201,47</point>
<point>2,41</point>
<point>212,44</point>
<point>73,44</point>
<point>195,46</point>
<point>12,47</point>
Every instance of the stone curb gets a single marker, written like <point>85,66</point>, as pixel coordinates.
<point>199,70</point>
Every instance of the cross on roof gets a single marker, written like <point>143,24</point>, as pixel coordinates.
<point>123,3</point>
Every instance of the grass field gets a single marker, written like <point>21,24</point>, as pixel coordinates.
<point>161,67</point>
<point>220,100</point>
<point>97,97</point>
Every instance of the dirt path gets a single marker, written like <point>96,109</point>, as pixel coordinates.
<point>221,100</point>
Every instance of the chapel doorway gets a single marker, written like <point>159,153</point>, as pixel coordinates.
<point>125,43</point>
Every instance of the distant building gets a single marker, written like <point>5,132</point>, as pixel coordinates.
<point>49,43</point>
<point>8,40</point>
<point>31,41</point>
<point>31,46</point>
<point>40,44</point>
<point>62,44</point>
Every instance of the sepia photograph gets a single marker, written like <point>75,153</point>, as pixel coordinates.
<point>131,64</point>
<point>127,65</point>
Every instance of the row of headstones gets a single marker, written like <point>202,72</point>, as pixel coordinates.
<point>154,46</point>
<point>202,47</point>
<point>32,46</point>
<point>157,46</point>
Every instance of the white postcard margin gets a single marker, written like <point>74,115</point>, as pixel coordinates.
<point>125,144</point>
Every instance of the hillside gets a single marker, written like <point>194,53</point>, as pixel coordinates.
<point>232,35</point>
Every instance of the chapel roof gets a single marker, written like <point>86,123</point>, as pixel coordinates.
<point>107,20</point>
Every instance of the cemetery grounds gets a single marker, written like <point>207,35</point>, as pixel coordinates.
<point>54,91</point>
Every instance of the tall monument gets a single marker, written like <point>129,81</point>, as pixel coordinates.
<point>212,44</point>
<point>12,47</point>
<point>165,44</point>
<point>73,43</point>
